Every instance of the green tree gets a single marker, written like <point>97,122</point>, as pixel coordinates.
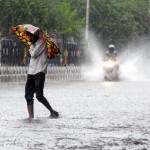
<point>116,21</point>
<point>53,16</point>
<point>113,21</point>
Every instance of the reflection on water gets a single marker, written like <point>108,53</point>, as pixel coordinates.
<point>108,84</point>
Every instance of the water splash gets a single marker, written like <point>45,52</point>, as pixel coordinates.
<point>94,52</point>
<point>134,61</point>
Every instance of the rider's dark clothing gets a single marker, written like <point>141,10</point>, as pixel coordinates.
<point>111,55</point>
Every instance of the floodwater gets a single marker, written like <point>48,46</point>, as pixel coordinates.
<point>95,115</point>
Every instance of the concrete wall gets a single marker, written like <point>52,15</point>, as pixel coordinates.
<point>15,74</point>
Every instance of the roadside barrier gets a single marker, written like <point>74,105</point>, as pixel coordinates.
<point>16,74</point>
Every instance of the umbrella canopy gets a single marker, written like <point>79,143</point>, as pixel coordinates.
<point>22,32</point>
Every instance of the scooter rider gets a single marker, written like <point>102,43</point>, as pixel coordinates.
<point>111,53</point>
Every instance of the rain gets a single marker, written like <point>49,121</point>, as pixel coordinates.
<point>95,112</point>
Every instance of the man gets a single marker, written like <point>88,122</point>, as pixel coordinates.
<point>36,75</point>
<point>111,53</point>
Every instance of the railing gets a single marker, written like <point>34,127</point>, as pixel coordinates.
<point>16,74</point>
<point>14,53</point>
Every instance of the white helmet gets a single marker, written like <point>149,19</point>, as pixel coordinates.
<point>111,46</point>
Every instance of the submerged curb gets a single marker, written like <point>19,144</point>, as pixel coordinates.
<point>60,73</point>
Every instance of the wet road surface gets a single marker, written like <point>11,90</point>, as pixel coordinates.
<point>94,116</point>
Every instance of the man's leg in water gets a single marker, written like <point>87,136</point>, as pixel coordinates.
<point>29,93</point>
<point>39,86</point>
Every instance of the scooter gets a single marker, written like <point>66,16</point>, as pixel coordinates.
<point>111,68</point>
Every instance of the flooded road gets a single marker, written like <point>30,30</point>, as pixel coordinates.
<point>94,116</point>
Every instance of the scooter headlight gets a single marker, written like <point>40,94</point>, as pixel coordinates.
<point>109,64</point>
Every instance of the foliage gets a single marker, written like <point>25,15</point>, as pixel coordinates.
<point>113,21</point>
<point>50,15</point>
<point>117,21</point>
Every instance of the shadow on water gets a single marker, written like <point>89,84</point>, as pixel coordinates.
<point>34,121</point>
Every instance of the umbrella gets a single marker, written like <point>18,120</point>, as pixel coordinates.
<point>22,31</point>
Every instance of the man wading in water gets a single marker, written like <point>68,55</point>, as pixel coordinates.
<point>36,75</point>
